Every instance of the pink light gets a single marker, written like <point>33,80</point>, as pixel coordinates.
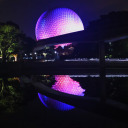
<point>63,84</point>
<point>67,85</point>
<point>57,22</point>
<point>62,45</point>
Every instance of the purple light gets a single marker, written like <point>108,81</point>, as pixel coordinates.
<point>63,84</point>
<point>57,22</point>
<point>62,45</point>
<point>67,85</point>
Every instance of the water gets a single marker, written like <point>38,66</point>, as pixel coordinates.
<point>31,112</point>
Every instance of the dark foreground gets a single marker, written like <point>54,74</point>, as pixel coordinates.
<point>35,115</point>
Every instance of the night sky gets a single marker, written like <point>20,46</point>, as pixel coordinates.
<point>25,13</point>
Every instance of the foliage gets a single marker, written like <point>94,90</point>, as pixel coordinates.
<point>117,89</point>
<point>47,52</point>
<point>47,80</point>
<point>10,40</point>
<point>28,44</point>
<point>118,49</point>
<point>11,96</point>
<point>87,50</point>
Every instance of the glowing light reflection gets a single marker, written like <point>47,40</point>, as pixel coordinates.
<point>54,104</point>
<point>63,84</point>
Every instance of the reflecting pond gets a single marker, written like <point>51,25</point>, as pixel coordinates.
<point>63,84</point>
<point>21,102</point>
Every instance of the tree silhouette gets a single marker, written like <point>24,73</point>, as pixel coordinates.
<point>10,40</point>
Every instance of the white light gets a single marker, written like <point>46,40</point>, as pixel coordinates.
<point>97,59</point>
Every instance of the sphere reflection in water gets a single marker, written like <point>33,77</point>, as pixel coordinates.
<point>54,104</point>
<point>63,84</point>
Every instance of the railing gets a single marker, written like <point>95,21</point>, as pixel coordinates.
<point>109,108</point>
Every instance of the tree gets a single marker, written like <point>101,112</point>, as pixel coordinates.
<point>10,40</point>
<point>47,52</point>
<point>120,49</point>
<point>28,44</point>
<point>11,95</point>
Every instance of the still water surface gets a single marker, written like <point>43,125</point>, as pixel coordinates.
<point>23,106</point>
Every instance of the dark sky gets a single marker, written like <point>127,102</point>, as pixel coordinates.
<point>26,12</point>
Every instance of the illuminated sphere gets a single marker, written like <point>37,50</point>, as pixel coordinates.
<point>57,22</point>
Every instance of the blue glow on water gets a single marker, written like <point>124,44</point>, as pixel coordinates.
<point>54,104</point>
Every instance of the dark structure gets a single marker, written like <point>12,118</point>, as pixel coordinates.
<point>109,28</point>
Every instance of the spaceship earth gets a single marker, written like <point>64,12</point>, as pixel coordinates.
<point>63,84</point>
<point>57,22</point>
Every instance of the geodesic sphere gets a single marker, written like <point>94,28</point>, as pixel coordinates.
<point>57,22</point>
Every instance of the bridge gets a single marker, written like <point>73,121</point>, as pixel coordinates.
<point>85,36</point>
<point>89,68</point>
<point>110,108</point>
